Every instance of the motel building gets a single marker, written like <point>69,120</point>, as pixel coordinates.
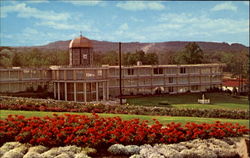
<point>81,81</point>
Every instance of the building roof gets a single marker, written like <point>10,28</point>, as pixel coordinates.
<point>81,42</point>
<point>233,82</point>
<point>165,66</point>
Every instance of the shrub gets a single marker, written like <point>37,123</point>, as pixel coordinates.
<point>163,103</point>
<point>18,103</point>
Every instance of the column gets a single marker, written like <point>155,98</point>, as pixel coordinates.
<point>210,77</point>
<point>137,70</point>
<point>151,78</point>
<point>189,85</point>
<point>74,91</point>
<point>9,75</point>
<point>164,79</point>
<point>65,91</point>
<point>58,90</point>
<point>65,75</point>
<point>177,80</point>
<point>200,78</point>
<point>54,84</point>
<point>74,75</point>
<point>104,90</point>
<point>97,91</point>
<point>85,92</point>
<point>107,90</point>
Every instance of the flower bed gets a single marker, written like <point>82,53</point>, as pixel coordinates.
<point>95,131</point>
<point>14,103</point>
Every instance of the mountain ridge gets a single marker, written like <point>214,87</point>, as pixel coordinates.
<point>168,46</point>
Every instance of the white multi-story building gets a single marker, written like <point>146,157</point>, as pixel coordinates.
<point>82,82</point>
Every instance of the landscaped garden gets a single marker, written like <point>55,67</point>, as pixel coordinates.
<point>218,101</point>
<point>161,119</point>
<point>128,130</point>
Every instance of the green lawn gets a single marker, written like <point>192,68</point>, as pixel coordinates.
<point>162,119</point>
<point>218,100</point>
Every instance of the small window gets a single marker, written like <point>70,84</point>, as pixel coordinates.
<point>195,87</point>
<point>170,89</point>
<point>85,56</point>
<point>158,70</point>
<point>130,71</point>
<point>99,72</point>
<point>155,70</point>
<point>90,74</point>
<point>183,70</point>
<point>170,79</point>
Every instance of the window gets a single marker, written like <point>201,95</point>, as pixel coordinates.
<point>170,80</point>
<point>79,75</point>
<point>88,74</point>
<point>195,88</point>
<point>155,70</point>
<point>170,89</point>
<point>183,70</point>
<point>158,70</point>
<point>130,71</point>
<point>99,72</point>
<point>85,56</point>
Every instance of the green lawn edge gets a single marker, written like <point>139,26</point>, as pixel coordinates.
<point>218,101</point>
<point>161,119</point>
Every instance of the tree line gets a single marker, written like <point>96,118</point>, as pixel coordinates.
<point>237,63</point>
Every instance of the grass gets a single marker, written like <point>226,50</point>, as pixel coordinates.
<point>162,119</point>
<point>218,100</point>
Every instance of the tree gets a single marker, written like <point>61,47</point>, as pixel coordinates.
<point>110,58</point>
<point>6,57</point>
<point>147,59</point>
<point>16,60</point>
<point>150,59</point>
<point>192,54</point>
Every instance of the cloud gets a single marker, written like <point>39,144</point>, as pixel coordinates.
<point>67,26</point>
<point>224,6</point>
<point>136,19</point>
<point>202,23</point>
<point>56,25</point>
<point>140,5</point>
<point>25,11</point>
<point>123,27</point>
<point>85,3</point>
<point>32,36</point>
<point>183,27</point>
<point>36,1</point>
<point>246,3</point>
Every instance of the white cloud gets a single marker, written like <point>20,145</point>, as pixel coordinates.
<point>136,19</point>
<point>25,11</point>
<point>37,1</point>
<point>32,36</point>
<point>224,6</point>
<point>123,27</point>
<point>85,3</point>
<point>55,25</point>
<point>203,23</point>
<point>140,5</point>
<point>246,3</point>
<point>67,26</point>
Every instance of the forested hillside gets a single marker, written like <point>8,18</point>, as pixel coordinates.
<point>235,56</point>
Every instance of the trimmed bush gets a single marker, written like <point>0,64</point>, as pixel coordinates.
<point>17,103</point>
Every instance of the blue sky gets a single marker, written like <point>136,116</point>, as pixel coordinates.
<point>28,23</point>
